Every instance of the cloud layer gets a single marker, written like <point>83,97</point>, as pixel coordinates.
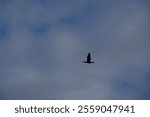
<point>43,44</point>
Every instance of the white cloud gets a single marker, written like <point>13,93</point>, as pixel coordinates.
<point>50,65</point>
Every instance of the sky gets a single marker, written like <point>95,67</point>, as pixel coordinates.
<point>43,44</point>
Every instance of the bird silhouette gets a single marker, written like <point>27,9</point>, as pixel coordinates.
<point>88,59</point>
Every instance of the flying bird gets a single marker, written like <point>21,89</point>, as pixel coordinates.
<point>88,59</point>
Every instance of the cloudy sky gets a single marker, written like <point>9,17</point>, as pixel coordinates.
<point>43,44</point>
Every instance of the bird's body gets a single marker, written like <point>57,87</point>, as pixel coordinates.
<point>88,59</point>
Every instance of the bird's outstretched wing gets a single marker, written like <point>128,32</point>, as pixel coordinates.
<point>89,58</point>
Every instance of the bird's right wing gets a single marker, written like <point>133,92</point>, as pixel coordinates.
<point>89,57</point>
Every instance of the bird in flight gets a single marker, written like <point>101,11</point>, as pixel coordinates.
<point>88,59</point>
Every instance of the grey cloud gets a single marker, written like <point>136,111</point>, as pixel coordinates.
<point>48,65</point>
